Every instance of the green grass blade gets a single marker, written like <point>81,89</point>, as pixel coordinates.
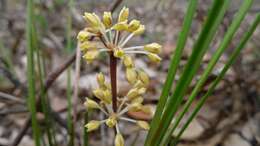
<point>85,133</point>
<point>227,39</point>
<point>202,44</point>
<point>174,65</point>
<point>30,72</point>
<point>231,60</point>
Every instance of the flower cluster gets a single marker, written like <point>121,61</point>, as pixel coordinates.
<point>104,36</point>
<point>114,37</point>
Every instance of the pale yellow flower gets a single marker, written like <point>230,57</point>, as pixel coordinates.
<point>123,15</point>
<point>92,125</point>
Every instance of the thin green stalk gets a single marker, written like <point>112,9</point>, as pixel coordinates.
<point>226,41</point>
<point>231,60</point>
<point>85,133</point>
<point>30,72</point>
<point>173,66</point>
<point>69,86</point>
<point>202,44</point>
<point>42,94</point>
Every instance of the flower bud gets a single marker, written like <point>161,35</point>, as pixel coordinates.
<point>131,75</point>
<point>154,57</point>
<point>83,36</point>
<point>147,109</point>
<point>143,77</point>
<point>99,93</point>
<point>107,19</point>
<point>141,90</point>
<point>86,45</point>
<point>92,19</point>
<point>140,30</point>
<point>91,104</point>
<point>135,107</point>
<point>107,96</point>
<point>91,55</point>
<point>133,25</point>
<point>123,15</point>
<point>139,84</point>
<point>153,48</point>
<point>143,124</point>
<point>92,125</point>
<point>111,121</point>
<point>133,93</point>
<point>101,79</point>
<point>119,53</point>
<point>120,26</point>
<point>119,140</point>
<point>138,100</point>
<point>128,62</point>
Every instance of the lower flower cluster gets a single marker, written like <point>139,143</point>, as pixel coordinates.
<point>133,101</point>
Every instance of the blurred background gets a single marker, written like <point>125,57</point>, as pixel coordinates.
<point>231,116</point>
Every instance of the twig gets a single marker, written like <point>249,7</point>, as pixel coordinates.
<point>11,97</point>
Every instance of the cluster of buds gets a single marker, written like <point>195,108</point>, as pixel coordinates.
<point>112,38</point>
<point>104,36</point>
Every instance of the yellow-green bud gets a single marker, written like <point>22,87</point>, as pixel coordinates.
<point>143,124</point>
<point>107,19</point>
<point>133,25</point>
<point>143,77</point>
<point>103,95</point>
<point>107,96</point>
<point>154,57</point>
<point>147,109</point>
<point>119,140</point>
<point>140,30</point>
<point>135,107</point>
<point>139,84</point>
<point>141,90</point>
<point>91,55</point>
<point>83,36</point>
<point>133,93</point>
<point>101,79</point>
<point>92,125</point>
<point>99,93</point>
<point>86,45</point>
<point>123,15</point>
<point>111,121</point>
<point>119,53</point>
<point>153,48</point>
<point>138,100</point>
<point>128,62</point>
<point>92,19</point>
<point>131,75</point>
<point>91,104</point>
<point>120,26</point>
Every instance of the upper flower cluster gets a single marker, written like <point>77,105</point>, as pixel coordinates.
<point>113,38</point>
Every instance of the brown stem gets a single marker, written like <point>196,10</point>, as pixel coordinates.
<point>113,62</point>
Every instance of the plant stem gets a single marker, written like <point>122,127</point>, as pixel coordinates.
<point>113,62</point>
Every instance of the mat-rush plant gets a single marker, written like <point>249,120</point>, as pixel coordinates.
<point>165,121</point>
<point>161,128</point>
<point>112,39</point>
